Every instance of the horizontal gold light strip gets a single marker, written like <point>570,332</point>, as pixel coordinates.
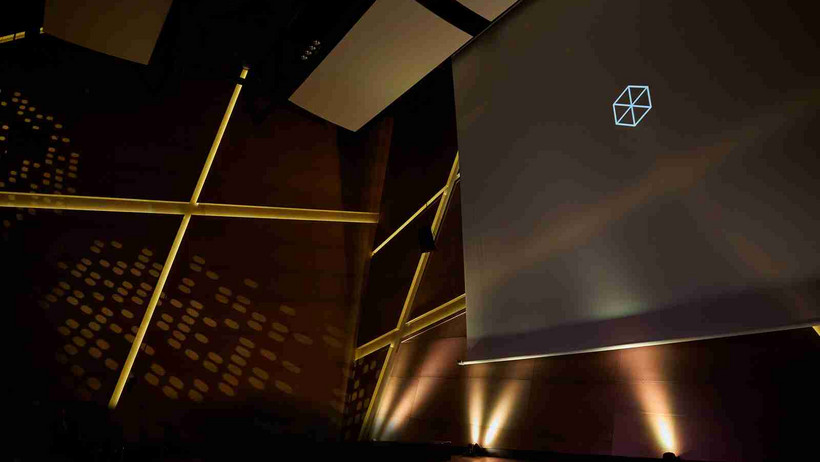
<point>375,345</point>
<point>413,326</point>
<point>817,329</point>
<point>112,204</point>
<point>284,213</point>
<point>433,316</point>
<point>409,220</point>
<point>15,36</point>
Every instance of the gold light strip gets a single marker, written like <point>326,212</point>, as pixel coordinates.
<point>817,329</point>
<point>435,315</point>
<point>113,204</point>
<point>412,217</point>
<point>445,200</point>
<point>149,312</point>
<point>7,38</point>
<point>169,262</point>
<point>91,204</point>
<point>367,421</point>
<point>217,139</point>
<point>437,220</point>
<point>408,302</point>
<point>284,213</point>
<point>375,345</point>
<point>413,326</point>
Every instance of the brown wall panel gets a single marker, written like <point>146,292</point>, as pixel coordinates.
<point>724,399</point>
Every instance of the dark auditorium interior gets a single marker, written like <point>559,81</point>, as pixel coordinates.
<point>307,301</point>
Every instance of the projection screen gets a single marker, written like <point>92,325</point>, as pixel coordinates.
<point>638,172</point>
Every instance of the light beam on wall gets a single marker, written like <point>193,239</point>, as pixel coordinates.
<point>653,397</point>
<point>475,408</point>
<point>501,412</point>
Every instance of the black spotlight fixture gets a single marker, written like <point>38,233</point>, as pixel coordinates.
<point>669,456</point>
<point>474,450</point>
<point>427,243</point>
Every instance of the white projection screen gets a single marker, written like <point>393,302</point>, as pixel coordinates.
<point>698,218</point>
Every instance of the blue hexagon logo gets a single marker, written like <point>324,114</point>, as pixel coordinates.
<point>632,105</point>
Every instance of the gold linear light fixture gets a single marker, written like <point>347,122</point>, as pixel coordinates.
<point>169,261</point>
<point>158,207</point>
<point>413,326</point>
<point>412,217</point>
<point>401,329</point>
<point>15,36</point>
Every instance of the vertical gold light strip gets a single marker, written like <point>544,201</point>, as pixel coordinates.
<point>217,140</point>
<point>367,421</point>
<point>169,262</point>
<point>149,312</point>
<point>395,343</point>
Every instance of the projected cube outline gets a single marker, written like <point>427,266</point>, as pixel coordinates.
<point>632,105</point>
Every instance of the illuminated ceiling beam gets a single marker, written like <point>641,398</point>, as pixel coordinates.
<point>401,326</point>
<point>817,329</point>
<point>113,204</point>
<point>413,326</point>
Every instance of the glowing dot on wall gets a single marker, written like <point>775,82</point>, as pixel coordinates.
<point>283,386</point>
<point>170,392</point>
<point>291,367</point>
<point>202,386</point>
<point>267,354</point>
<point>234,369</point>
<point>111,364</point>
<point>195,395</point>
<point>256,383</point>
<point>209,365</point>
<point>230,379</point>
<point>225,388</point>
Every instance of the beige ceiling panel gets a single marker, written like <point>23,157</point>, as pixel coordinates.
<point>490,9</point>
<point>127,29</point>
<point>394,45</point>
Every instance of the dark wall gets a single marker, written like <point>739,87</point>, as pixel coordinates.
<point>253,336</point>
